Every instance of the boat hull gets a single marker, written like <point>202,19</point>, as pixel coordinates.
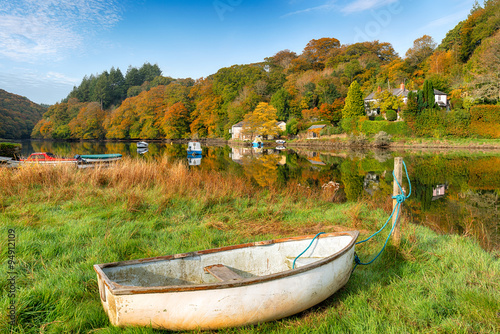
<point>228,304</point>
<point>93,158</point>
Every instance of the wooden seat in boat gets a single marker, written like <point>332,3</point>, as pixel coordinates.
<point>222,273</point>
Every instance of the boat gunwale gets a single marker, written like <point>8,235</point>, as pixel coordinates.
<point>117,289</point>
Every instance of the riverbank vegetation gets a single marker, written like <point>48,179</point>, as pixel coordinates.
<point>65,220</point>
<point>303,88</point>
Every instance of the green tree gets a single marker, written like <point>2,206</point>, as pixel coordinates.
<point>354,104</point>
<point>280,100</point>
<point>428,94</point>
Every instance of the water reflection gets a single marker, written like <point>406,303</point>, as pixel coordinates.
<point>452,193</point>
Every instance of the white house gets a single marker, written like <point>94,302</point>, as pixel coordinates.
<point>281,125</point>
<point>236,131</point>
<point>370,100</point>
<point>440,98</point>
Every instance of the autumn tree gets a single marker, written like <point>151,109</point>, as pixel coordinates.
<point>332,112</point>
<point>354,104</point>
<point>88,124</point>
<point>486,72</point>
<point>387,101</point>
<point>282,59</point>
<point>318,50</point>
<point>262,121</point>
<point>422,48</point>
<point>175,122</point>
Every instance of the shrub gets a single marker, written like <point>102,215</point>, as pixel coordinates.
<point>9,149</point>
<point>392,128</point>
<point>331,130</point>
<point>485,120</point>
<point>457,123</point>
<point>391,115</point>
<point>382,139</point>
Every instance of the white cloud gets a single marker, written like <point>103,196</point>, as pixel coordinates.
<point>363,5</point>
<point>38,86</point>
<point>31,30</point>
<point>451,19</point>
<point>327,6</point>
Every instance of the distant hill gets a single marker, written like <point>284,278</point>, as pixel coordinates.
<point>18,115</point>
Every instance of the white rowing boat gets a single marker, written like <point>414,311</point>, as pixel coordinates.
<point>229,286</point>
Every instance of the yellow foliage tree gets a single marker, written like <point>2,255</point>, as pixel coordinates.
<point>262,121</point>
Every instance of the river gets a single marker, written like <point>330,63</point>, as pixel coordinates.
<point>452,191</point>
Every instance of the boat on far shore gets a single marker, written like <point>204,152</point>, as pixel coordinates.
<point>194,148</point>
<point>142,144</point>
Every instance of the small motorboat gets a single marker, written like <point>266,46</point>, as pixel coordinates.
<point>229,286</point>
<point>280,142</point>
<point>142,144</point>
<point>194,148</point>
<point>47,158</point>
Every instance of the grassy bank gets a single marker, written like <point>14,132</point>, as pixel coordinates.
<point>66,220</point>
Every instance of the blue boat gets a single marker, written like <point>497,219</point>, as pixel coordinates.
<point>194,148</point>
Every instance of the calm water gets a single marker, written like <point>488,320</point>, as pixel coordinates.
<point>452,192</point>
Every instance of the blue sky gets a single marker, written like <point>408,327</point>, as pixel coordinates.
<point>48,46</point>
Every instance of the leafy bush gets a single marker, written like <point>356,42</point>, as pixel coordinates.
<point>392,128</point>
<point>291,127</point>
<point>331,130</point>
<point>391,115</point>
<point>457,123</point>
<point>358,140</point>
<point>350,125</point>
<point>9,149</point>
<point>485,120</point>
<point>382,139</point>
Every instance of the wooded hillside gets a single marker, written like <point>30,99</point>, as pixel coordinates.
<point>312,85</point>
<point>18,115</point>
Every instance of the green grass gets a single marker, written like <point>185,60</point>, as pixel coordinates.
<point>66,221</point>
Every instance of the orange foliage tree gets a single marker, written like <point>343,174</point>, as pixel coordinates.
<point>175,122</point>
<point>88,124</point>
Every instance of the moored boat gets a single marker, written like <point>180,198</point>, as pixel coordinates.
<point>194,148</point>
<point>47,158</point>
<point>229,286</point>
<point>142,144</point>
<point>92,158</point>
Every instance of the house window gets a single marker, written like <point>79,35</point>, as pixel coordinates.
<point>439,97</point>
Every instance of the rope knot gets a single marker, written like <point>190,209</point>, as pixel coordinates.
<point>399,198</point>
<point>356,258</point>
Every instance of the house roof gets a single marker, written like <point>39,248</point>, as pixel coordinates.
<point>320,126</point>
<point>395,92</point>
<point>401,92</point>
<point>238,125</point>
<point>438,92</point>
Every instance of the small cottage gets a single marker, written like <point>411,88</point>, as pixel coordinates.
<point>313,131</point>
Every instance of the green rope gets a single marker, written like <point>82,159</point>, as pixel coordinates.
<point>400,200</point>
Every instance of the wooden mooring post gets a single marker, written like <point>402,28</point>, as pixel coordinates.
<point>398,174</point>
